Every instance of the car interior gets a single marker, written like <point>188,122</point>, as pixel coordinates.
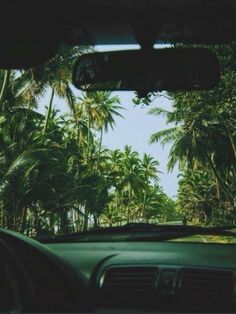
<point>136,267</point>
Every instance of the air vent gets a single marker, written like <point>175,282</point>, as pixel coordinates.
<point>130,280</point>
<point>201,286</point>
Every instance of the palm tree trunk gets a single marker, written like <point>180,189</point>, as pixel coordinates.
<point>49,112</point>
<point>231,139</point>
<point>101,140</point>
<point>117,199</point>
<point>5,84</point>
<point>121,207</point>
<point>88,141</point>
<point>213,168</point>
<point>143,205</point>
<point>86,217</point>
<point>51,223</point>
<point>129,203</point>
<point>218,178</point>
<point>100,147</point>
<point>218,193</point>
<point>23,217</point>
<point>233,145</point>
<point>96,220</point>
<point>64,221</point>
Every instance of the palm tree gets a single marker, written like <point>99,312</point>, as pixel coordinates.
<point>108,106</point>
<point>55,74</point>
<point>150,173</point>
<point>34,177</point>
<point>197,197</point>
<point>132,177</point>
<point>149,165</point>
<point>194,143</point>
<point>99,109</point>
<point>14,85</point>
<point>155,206</point>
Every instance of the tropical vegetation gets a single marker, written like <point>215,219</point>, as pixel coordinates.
<point>56,176</point>
<point>203,145</point>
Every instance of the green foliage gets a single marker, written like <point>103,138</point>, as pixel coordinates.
<point>203,138</point>
<point>55,174</point>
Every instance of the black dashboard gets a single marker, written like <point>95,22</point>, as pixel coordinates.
<point>149,276</point>
<point>115,277</point>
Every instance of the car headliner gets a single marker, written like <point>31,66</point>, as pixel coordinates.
<point>35,29</point>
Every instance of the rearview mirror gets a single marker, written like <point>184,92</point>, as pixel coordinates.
<point>169,69</point>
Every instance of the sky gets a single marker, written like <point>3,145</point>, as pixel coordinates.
<point>135,130</point>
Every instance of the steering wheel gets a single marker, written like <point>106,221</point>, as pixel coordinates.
<point>33,279</point>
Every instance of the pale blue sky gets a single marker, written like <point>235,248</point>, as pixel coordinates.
<point>135,130</point>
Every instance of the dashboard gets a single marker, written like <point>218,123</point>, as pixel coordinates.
<point>115,277</point>
<point>154,276</point>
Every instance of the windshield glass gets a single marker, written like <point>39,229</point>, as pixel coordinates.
<point>73,161</point>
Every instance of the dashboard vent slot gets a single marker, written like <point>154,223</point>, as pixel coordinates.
<point>130,279</point>
<point>204,286</point>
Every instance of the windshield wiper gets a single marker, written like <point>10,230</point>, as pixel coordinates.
<point>140,232</point>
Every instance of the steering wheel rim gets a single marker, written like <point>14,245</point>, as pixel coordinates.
<point>15,273</point>
<point>43,282</point>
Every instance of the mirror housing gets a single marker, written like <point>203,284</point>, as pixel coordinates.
<point>168,69</point>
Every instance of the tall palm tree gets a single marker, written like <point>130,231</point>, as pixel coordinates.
<point>150,173</point>
<point>132,180</point>
<point>194,143</point>
<point>156,205</point>
<point>55,74</point>
<point>109,109</point>
<point>100,110</point>
<point>149,166</point>
<point>197,197</point>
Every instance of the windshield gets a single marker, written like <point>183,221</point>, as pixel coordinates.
<point>73,161</point>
